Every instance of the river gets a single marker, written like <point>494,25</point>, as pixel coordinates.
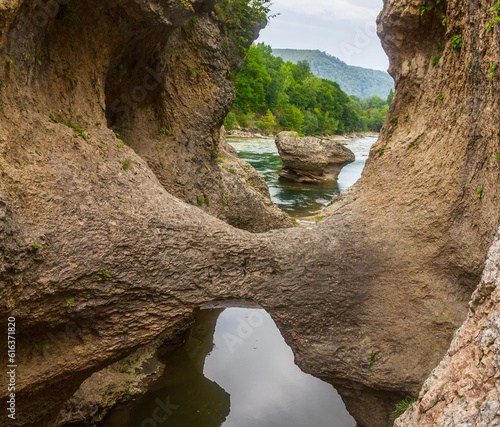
<point>299,199</point>
<point>234,370</point>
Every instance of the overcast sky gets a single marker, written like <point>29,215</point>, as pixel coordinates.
<point>343,28</point>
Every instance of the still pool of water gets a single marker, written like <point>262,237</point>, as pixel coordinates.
<point>234,370</point>
<point>299,199</point>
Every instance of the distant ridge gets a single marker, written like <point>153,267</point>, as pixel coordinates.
<point>362,82</point>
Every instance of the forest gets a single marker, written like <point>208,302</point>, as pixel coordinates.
<point>273,95</point>
<point>359,81</point>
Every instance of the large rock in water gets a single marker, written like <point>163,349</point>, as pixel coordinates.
<point>311,159</point>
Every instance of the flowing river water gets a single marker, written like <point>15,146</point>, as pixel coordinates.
<point>299,199</point>
<point>234,368</point>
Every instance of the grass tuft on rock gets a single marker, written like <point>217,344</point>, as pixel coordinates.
<point>401,407</point>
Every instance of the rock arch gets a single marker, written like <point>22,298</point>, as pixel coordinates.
<point>389,272</point>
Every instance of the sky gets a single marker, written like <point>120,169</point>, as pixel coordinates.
<point>343,28</point>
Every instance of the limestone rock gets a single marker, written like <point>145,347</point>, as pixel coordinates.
<point>246,202</point>
<point>311,159</point>
<point>465,388</point>
<point>368,299</point>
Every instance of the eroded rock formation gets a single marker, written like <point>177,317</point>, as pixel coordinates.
<point>246,202</point>
<point>465,388</point>
<point>100,254</point>
<point>311,159</point>
<point>131,378</point>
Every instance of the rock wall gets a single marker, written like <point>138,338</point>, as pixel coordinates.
<point>155,75</point>
<point>465,388</point>
<point>100,254</point>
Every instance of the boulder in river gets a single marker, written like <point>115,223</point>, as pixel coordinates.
<point>311,159</point>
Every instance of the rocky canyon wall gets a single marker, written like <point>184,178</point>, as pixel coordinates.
<point>465,388</point>
<point>113,174</point>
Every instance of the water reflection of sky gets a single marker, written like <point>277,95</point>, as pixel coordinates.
<point>233,370</point>
<point>256,367</point>
<point>295,198</point>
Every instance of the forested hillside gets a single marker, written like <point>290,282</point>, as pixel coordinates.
<point>361,82</point>
<point>274,95</point>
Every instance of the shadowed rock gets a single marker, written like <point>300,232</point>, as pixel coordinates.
<point>465,388</point>
<point>311,159</point>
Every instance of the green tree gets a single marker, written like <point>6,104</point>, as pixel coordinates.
<point>373,102</point>
<point>267,123</point>
<point>251,82</point>
<point>242,18</point>
<point>390,97</point>
<point>292,118</point>
<point>272,94</point>
<point>311,123</point>
<point>377,119</point>
<point>230,123</point>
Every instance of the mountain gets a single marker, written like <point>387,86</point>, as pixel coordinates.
<point>362,82</point>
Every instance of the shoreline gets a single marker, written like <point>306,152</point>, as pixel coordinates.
<point>338,138</point>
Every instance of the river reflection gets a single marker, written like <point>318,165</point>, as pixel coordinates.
<point>254,364</point>
<point>299,199</point>
<point>234,370</point>
<point>182,396</point>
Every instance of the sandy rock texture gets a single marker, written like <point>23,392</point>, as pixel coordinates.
<point>311,159</point>
<point>109,138</point>
<point>122,381</point>
<point>465,388</point>
<point>246,202</point>
<point>133,376</point>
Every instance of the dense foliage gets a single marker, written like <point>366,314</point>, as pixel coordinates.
<point>358,81</point>
<point>372,111</point>
<point>243,18</point>
<point>274,95</point>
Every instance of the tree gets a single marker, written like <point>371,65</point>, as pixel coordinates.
<point>301,70</point>
<point>311,123</point>
<point>276,94</point>
<point>377,119</point>
<point>373,102</point>
<point>251,82</point>
<point>267,123</point>
<point>390,97</point>
<point>292,118</point>
<point>230,123</point>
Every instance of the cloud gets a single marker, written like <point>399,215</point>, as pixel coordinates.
<point>331,10</point>
<point>333,26</point>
